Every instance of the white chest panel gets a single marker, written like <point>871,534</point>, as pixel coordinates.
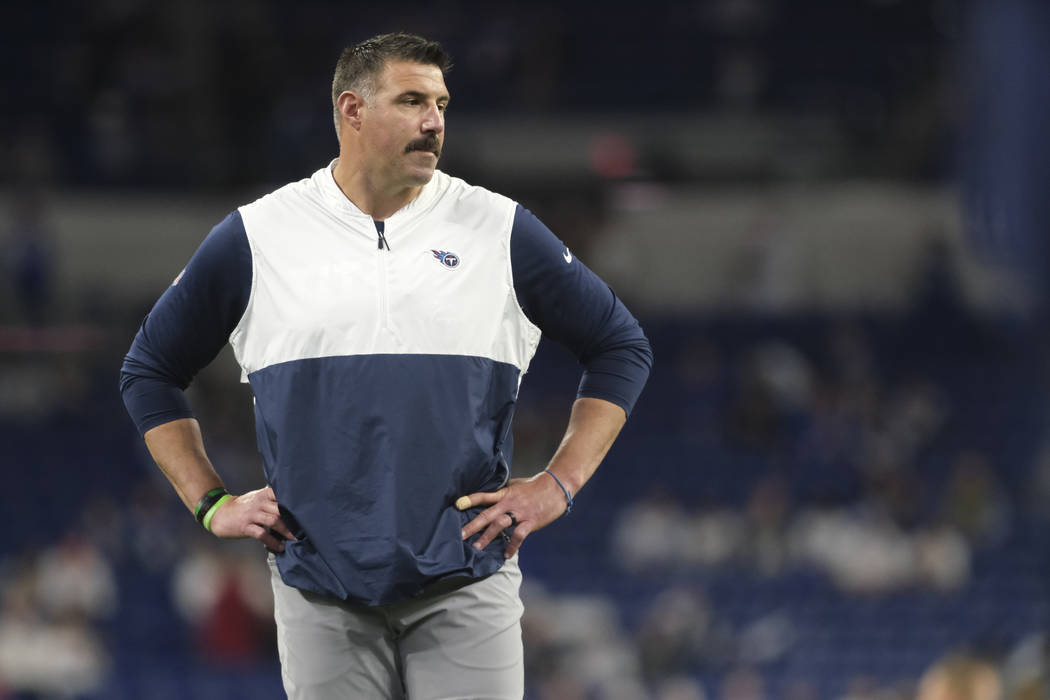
<point>321,286</point>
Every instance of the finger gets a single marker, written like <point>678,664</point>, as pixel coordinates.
<point>283,530</point>
<point>263,535</point>
<point>480,521</point>
<point>516,538</point>
<point>483,498</point>
<point>497,526</point>
<point>276,526</point>
<point>274,521</point>
<point>476,525</point>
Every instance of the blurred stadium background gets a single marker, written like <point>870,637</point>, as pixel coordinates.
<point>831,217</point>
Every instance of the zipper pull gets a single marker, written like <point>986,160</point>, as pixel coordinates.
<point>382,241</point>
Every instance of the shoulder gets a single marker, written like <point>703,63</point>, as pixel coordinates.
<point>464,197</point>
<point>304,205</point>
<point>304,192</point>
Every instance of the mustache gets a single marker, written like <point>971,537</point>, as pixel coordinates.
<point>426,143</point>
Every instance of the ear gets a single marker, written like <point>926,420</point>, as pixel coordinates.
<point>350,106</point>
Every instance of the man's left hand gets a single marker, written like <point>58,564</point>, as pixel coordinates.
<point>525,505</point>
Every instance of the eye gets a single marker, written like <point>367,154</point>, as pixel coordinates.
<point>442,107</point>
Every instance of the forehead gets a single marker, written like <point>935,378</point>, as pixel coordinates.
<point>404,76</point>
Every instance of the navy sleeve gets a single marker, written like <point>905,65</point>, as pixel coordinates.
<point>187,327</point>
<point>574,307</point>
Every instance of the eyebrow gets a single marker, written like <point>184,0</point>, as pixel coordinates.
<point>423,95</point>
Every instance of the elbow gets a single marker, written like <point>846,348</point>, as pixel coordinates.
<point>125,378</point>
<point>644,350</point>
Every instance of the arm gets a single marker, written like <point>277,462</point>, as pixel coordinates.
<point>575,308</point>
<point>178,449</point>
<point>183,332</point>
<point>538,501</point>
<point>593,426</point>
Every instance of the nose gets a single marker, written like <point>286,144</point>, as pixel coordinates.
<point>433,120</point>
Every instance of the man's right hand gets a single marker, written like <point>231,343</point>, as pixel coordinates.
<point>252,514</point>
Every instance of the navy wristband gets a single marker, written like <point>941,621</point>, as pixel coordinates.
<point>568,495</point>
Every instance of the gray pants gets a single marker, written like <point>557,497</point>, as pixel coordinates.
<point>462,644</point>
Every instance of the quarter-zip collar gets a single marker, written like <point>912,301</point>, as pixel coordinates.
<point>428,195</point>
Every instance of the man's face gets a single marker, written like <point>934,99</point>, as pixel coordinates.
<point>403,125</point>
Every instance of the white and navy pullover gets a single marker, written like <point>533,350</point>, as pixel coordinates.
<point>385,359</point>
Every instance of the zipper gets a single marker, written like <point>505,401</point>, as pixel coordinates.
<point>381,261</point>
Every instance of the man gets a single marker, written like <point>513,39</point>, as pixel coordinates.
<point>384,313</point>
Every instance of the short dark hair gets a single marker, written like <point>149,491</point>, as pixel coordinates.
<point>359,65</point>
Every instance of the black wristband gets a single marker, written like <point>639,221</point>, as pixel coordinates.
<point>207,501</point>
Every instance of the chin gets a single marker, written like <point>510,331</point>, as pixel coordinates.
<point>421,177</point>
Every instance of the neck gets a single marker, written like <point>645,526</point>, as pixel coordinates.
<point>368,193</point>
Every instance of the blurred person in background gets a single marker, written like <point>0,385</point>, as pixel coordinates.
<point>48,647</point>
<point>30,258</point>
<point>975,503</point>
<point>961,677</point>
<point>384,313</point>
<point>228,602</point>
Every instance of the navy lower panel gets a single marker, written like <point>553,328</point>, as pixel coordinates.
<point>367,455</point>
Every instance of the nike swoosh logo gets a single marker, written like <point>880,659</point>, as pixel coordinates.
<point>567,255</point>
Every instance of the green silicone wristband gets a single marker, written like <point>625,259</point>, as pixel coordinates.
<point>211,512</point>
<point>207,501</point>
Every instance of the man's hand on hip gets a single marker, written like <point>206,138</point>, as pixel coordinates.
<point>253,514</point>
<point>523,506</point>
